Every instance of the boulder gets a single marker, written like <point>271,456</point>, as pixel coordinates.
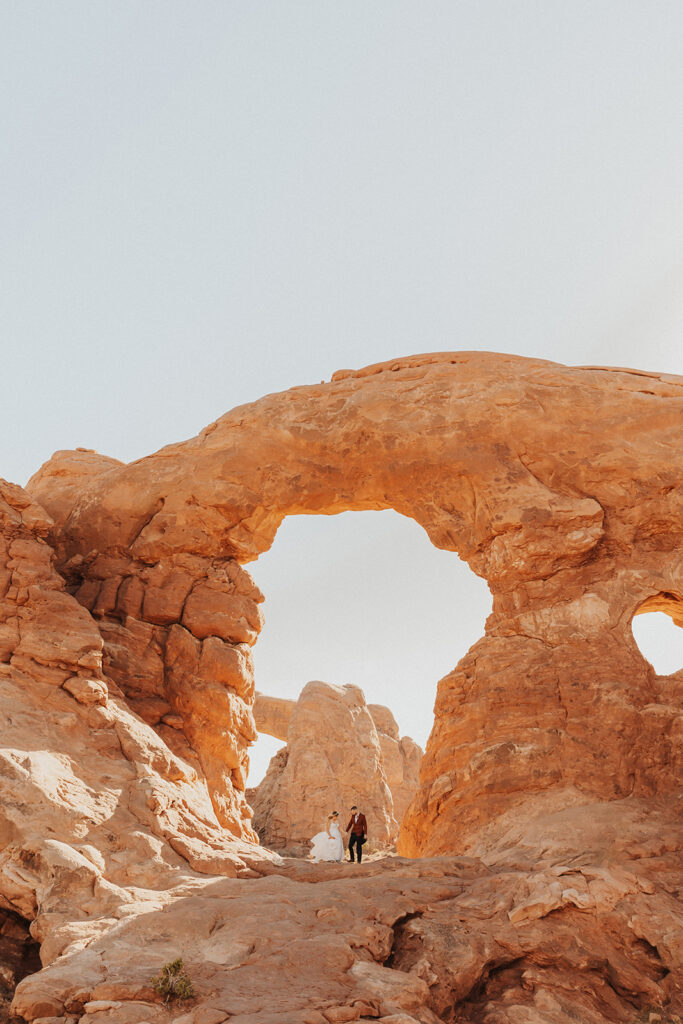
<point>333,759</point>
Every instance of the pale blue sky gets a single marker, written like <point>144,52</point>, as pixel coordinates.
<point>203,202</point>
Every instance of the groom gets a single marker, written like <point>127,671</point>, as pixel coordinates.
<point>358,826</point>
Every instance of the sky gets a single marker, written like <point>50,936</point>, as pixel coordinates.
<point>204,202</point>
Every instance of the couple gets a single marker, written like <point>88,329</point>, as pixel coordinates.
<point>329,844</point>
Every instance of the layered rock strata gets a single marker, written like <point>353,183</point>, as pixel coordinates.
<point>555,754</point>
<point>560,486</point>
<point>340,751</point>
<point>98,815</point>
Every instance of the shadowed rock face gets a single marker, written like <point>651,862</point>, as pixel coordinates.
<point>401,758</point>
<point>560,486</point>
<point>18,954</point>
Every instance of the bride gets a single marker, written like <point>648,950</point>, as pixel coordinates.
<point>328,845</point>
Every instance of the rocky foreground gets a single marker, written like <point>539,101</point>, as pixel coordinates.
<point>547,825</point>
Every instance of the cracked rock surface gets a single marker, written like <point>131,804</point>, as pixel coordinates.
<point>547,825</point>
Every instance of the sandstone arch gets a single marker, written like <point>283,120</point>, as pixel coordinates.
<point>561,486</point>
<point>658,639</point>
<point>669,604</point>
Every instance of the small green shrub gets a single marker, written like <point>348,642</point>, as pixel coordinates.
<point>173,983</point>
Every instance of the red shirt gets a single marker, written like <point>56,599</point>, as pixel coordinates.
<point>357,824</point>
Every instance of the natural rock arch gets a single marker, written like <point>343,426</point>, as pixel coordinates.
<point>560,486</point>
<point>660,637</point>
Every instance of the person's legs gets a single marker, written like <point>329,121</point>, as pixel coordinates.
<point>359,848</point>
<point>353,843</point>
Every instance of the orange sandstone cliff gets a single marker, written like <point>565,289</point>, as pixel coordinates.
<point>546,826</point>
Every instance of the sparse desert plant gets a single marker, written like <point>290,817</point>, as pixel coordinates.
<point>172,983</point>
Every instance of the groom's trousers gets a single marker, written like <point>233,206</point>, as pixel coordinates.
<point>357,841</point>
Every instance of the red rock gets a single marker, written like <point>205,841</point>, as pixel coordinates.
<point>272,715</point>
<point>334,758</point>
<point>341,1014</point>
<point>555,753</point>
<point>210,612</point>
<point>165,596</point>
<point>559,485</point>
<point>229,664</point>
<point>87,691</point>
<point>401,759</point>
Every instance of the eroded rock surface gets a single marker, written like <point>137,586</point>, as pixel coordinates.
<point>126,697</point>
<point>401,759</point>
<point>339,751</point>
<point>177,634</point>
<point>272,715</point>
<point>19,956</point>
<point>99,818</point>
<point>560,486</point>
<point>583,926</point>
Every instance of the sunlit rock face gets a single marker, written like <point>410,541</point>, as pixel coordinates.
<point>177,635</point>
<point>560,486</point>
<point>340,751</point>
<point>554,758</point>
<point>98,816</point>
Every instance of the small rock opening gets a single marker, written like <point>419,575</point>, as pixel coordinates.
<point>19,957</point>
<point>261,753</point>
<point>658,631</point>
<point>373,609</point>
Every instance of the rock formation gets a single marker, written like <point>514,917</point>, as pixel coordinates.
<point>18,957</point>
<point>272,715</point>
<point>98,815</point>
<point>561,486</point>
<point>177,637</point>
<point>126,692</point>
<point>340,751</point>
<point>401,759</point>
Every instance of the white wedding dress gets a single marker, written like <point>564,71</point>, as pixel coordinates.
<point>328,847</point>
